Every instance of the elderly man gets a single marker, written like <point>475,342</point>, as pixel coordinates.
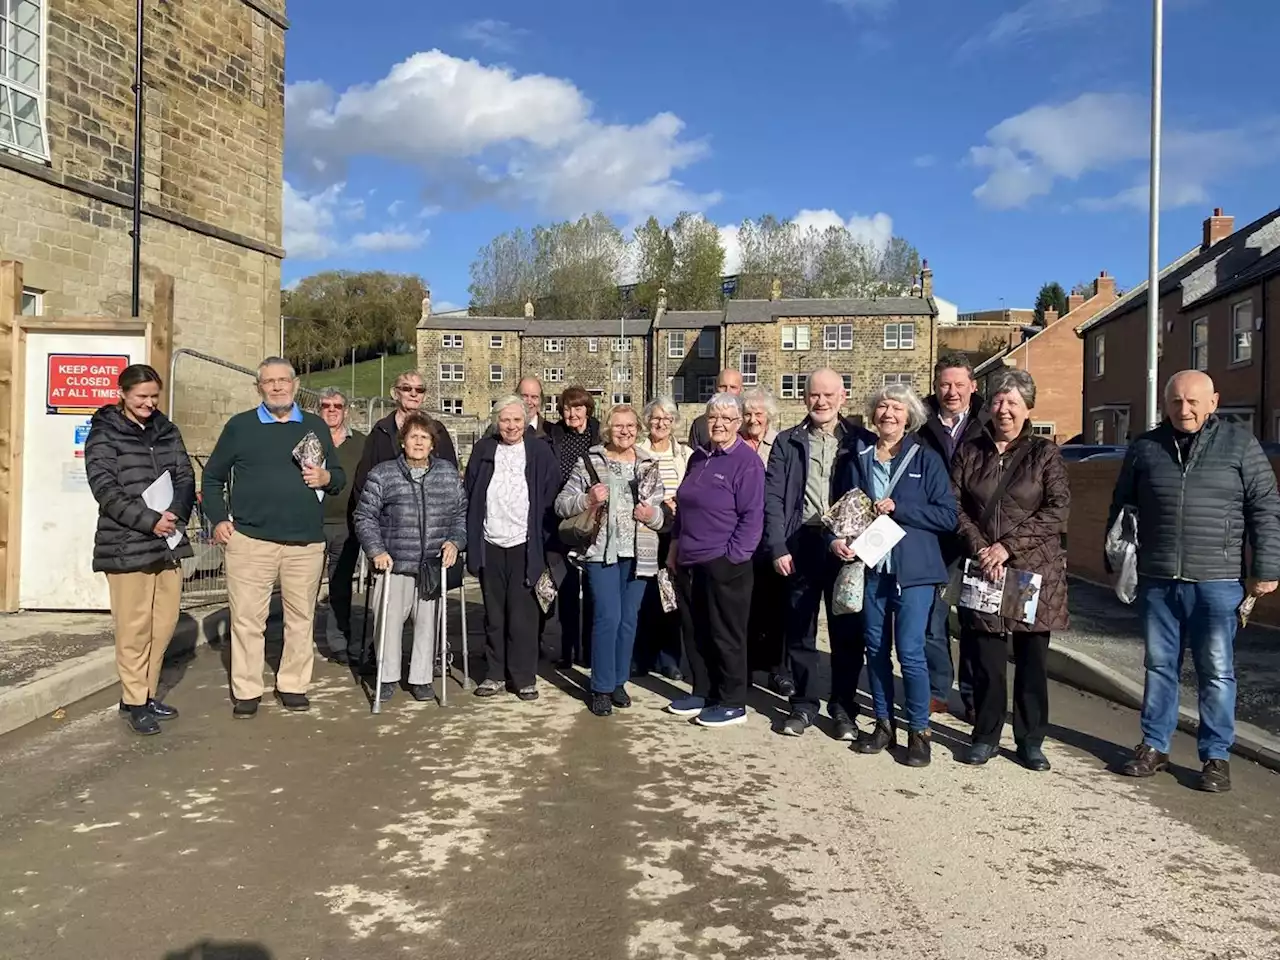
<point>530,392</point>
<point>277,533</point>
<point>729,381</point>
<point>342,550</point>
<point>957,414</point>
<point>804,461</point>
<point>1203,490</point>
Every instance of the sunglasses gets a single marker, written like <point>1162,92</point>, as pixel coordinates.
<point>413,391</point>
<point>332,406</point>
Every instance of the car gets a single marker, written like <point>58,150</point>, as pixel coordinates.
<point>1074,452</point>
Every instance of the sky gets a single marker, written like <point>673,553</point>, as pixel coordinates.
<point>1006,139</point>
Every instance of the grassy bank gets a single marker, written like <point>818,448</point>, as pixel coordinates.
<point>370,379</point>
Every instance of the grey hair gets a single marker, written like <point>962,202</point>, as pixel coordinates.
<point>917,414</point>
<point>763,397</point>
<point>666,404</point>
<point>606,426</point>
<point>330,392</point>
<point>725,400</point>
<point>405,375</point>
<point>510,400</point>
<point>277,362</point>
<point>1011,379</point>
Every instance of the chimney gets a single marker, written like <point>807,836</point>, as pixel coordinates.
<point>1104,286</point>
<point>1050,317</point>
<point>926,280</point>
<point>1074,301</point>
<point>1217,228</point>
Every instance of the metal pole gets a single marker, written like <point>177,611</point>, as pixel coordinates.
<point>353,371</point>
<point>1153,227</point>
<point>382,375</point>
<point>135,295</point>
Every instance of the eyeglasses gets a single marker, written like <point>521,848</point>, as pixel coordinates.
<point>333,406</point>
<point>276,382</point>
<point>412,391</point>
<point>661,420</point>
<point>723,419</point>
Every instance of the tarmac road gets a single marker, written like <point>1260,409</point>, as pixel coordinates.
<point>511,830</point>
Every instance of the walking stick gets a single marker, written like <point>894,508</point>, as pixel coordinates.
<point>444,633</point>
<point>382,637</point>
<point>364,623</point>
<point>466,654</point>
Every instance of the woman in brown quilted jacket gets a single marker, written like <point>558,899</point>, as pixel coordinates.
<point>1019,528</point>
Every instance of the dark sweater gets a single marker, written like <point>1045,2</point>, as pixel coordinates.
<point>335,508</point>
<point>269,500</point>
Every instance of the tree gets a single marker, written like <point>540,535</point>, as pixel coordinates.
<point>698,263</point>
<point>771,248</point>
<point>502,276</point>
<point>654,259</point>
<point>337,311</point>
<point>1051,296</point>
<point>1083,289</point>
<point>576,268</point>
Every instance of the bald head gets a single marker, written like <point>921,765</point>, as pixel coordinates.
<point>729,381</point>
<point>1189,399</point>
<point>824,396</point>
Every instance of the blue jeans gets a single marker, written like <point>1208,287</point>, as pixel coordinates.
<point>1201,616</point>
<point>903,614</point>
<point>937,647</point>
<point>616,593</point>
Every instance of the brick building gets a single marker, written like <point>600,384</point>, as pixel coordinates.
<point>213,135</point>
<point>1213,304</point>
<point>1052,356</point>
<point>686,356</point>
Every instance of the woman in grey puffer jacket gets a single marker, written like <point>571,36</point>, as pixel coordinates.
<point>411,516</point>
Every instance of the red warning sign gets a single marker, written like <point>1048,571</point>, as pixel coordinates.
<point>81,383</point>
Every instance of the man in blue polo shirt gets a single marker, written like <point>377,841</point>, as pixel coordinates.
<point>272,529</point>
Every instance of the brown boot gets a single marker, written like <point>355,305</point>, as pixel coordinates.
<point>1146,761</point>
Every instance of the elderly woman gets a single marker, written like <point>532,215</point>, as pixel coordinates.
<point>626,483</point>
<point>1014,501</point>
<point>511,482</point>
<point>766,647</point>
<point>658,645</point>
<point>907,481</point>
<point>410,517</point>
<point>342,551</point>
<point>576,432</point>
<point>717,530</point>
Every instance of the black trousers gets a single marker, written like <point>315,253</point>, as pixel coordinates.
<point>719,599</point>
<point>659,639</point>
<point>766,643</point>
<point>808,586</point>
<point>512,617</point>
<point>342,553</point>
<point>1030,686</point>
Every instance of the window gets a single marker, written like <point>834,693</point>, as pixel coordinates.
<point>747,366</point>
<point>621,345</point>
<point>22,78</point>
<point>495,373</point>
<point>899,336</point>
<point>549,406</point>
<point>1200,344</point>
<point>1241,416</point>
<point>1099,430</point>
<point>553,345</point>
<point>621,398</point>
<point>1160,332</point>
<point>837,336</point>
<point>553,374</point>
<point>707,344</point>
<point>451,405</point>
<point>450,341</point>
<point>32,302</point>
<point>677,389</point>
<point>1242,332</point>
<point>621,373</point>
<point>795,338</point>
<point>793,386</point>
<point>495,341</point>
<point>450,373</point>
<point>706,388</point>
<point>1043,430</point>
<point>1099,354</point>
<point>593,344</point>
<point>846,381</point>
<point>905,379</point>
<point>675,344</point>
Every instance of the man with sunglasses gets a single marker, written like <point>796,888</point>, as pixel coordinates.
<point>342,548</point>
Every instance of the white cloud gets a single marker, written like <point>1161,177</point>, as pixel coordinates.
<point>386,241</point>
<point>395,207</point>
<point>1028,155</point>
<point>496,35</point>
<point>485,133</point>
<point>876,230</point>
<point>1031,19</point>
<point>924,161</point>
<point>309,222</point>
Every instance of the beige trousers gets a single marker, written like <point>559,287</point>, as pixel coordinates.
<point>253,567</point>
<point>144,607</point>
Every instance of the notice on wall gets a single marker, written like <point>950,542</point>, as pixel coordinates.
<point>81,383</point>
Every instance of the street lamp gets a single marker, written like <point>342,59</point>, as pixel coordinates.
<point>1153,226</point>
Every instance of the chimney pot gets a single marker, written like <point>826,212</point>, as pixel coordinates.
<point>1105,285</point>
<point>1217,228</point>
<point>1050,316</point>
<point>1074,301</point>
<point>926,279</point>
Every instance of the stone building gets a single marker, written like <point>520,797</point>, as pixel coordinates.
<point>686,356</point>
<point>213,134</point>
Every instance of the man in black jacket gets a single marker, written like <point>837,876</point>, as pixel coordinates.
<point>958,414</point>
<point>1203,490</point>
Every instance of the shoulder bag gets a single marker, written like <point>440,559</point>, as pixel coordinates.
<point>579,532</point>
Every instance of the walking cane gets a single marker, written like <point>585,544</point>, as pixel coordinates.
<point>444,633</point>
<point>364,621</point>
<point>466,654</point>
<point>382,637</point>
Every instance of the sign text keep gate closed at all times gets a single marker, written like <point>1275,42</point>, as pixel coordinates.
<point>81,383</point>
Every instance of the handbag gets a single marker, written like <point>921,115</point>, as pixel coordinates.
<point>955,573</point>
<point>579,532</point>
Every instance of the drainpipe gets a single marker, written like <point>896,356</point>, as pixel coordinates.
<point>1264,407</point>
<point>136,290</point>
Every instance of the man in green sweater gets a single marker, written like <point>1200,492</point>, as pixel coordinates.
<point>272,529</point>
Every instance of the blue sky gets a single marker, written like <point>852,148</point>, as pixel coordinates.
<point>1006,139</point>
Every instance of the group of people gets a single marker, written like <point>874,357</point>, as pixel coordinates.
<point>707,561</point>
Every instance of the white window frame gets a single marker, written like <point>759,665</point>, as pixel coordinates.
<point>32,302</point>
<point>1242,339</point>
<point>798,382</point>
<point>549,406</point>
<point>795,337</point>
<point>903,379</point>
<point>1200,342</point>
<point>837,336</point>
<point>553,344</point>
<point>621,373</point>
<point>496,341</point>
<point>675,344</point>
<point>593,344</point>
<point>496,374</point>
<point>451,341</point>
<point>553,374</point>
<point>1098,361</point>
<point>677,389</point>
<point>452,372</point>
<point>706,388</point>
<point>900,336</point>
<point>621,344</point>
<point>451,406</point>
<point>621,396</point>
<point>1043,429</point>
<point>749,367</point>
<point>1099,430</point>
<point>37,93</point>
<point>706,344</point>
<point>846,381</point>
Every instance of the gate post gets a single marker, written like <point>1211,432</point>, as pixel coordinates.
<point>11,403</point>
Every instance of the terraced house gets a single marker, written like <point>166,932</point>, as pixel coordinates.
<point>212,171</point>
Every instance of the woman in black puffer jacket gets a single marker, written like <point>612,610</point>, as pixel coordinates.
<point>131,444</point>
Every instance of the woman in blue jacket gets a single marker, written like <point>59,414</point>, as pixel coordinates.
<point>908,481</point>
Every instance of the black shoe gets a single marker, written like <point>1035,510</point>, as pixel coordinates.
<point>422,692</point>
<point>386,691</point>
<point>1215,777</point>
<point>340,657</point>
<point>620,698</point>
<point>142,721</point>
<point>1146,761</point>
<point>1031,756</point>
<point>161,711</point>
<point>564,663</point>
<point>843,727</point>
<point>796,724</point>
<point>673,674</point>
<point>245,709</point>
<point>782,686</point>
<point>601,704</point>
<point>881,738</point>
<point>918,751</point>
<point>293,702</point>
<point>979,753</point>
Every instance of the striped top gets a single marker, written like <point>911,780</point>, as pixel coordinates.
<point>671,462</point>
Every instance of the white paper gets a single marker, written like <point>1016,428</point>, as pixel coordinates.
<point>877,540</point>
<point>159,497</point>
